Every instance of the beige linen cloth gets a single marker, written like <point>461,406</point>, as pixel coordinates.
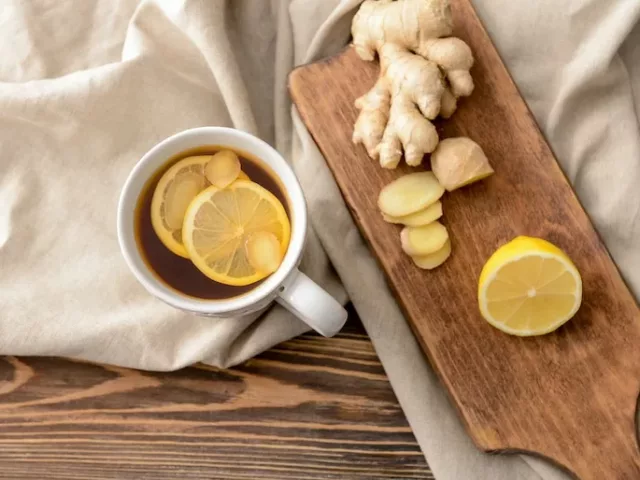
<point>87,86</point>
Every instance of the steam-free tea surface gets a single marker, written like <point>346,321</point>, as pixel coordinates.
<point>570,395</point>
<point>180,273</point>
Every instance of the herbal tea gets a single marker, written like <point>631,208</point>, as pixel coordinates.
<point>213,223</point>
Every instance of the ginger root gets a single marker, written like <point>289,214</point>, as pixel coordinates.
<point>178,197</point>
<point>423,72</point>
<point>458,162</point>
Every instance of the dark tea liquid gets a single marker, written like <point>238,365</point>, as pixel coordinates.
<point>177,272</point>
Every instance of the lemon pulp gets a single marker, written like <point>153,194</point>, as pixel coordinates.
<point>175,190</point>
<point>529,287</point>
<point>218,223</point>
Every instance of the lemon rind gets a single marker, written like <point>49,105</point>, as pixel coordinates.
<point>163,234</point>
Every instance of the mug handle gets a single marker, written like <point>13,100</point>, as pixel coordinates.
<point>311,304</point>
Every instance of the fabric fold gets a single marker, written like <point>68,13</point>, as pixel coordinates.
<point>86,88</point>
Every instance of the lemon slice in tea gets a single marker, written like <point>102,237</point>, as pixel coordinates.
<point>218,224</point>
<point>176,189</point>
<point>529,287</point>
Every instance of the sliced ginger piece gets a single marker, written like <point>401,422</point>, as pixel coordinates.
<point>243,176</point>
<point>435,259</point>
<point>223,168</point>
<point>409,194</point>
<point>457,162</point>
<point>422,217</point>
<point>423,240</point>
<point>264,252</point>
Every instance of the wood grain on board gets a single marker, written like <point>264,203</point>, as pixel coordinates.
<point>311,408</point>
<point>571,395</point>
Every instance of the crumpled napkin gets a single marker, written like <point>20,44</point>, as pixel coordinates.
<point>87,87</point>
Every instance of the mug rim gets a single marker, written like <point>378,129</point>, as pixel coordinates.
<point>255,298</point>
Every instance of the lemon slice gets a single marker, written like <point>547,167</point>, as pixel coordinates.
<point>175,190</point>
<point>529,287</point>
<point>218,224</point>
<point>173,194</point>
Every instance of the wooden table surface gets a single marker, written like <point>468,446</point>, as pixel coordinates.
<point>311,408</point>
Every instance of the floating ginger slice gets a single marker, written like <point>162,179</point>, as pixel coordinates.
<point>223,169</point>
<point>264,252</point>
<point>424,240</point>
<point>409,194</point>
<point>422,217</point>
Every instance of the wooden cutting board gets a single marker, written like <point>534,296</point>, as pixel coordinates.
<point>569,396</point>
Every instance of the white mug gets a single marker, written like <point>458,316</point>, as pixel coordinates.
<point>287,285</point>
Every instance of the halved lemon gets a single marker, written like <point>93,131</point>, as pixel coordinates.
<point>218,224</point>
<point>177,187</point>
<point>529,287</point>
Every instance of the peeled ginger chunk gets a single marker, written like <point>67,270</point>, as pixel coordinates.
<point>409,194</point>
<point>457,162</point>
<point>423,240</point>
<point>435,259</point>
<point>223,168</point>
<point>422,217</point>
<point>264,252</point>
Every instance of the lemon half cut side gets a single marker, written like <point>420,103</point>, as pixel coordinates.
<point>529,287</point>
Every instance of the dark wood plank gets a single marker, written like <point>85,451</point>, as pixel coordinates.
<point>311,408</point>
<point>570,396</point>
